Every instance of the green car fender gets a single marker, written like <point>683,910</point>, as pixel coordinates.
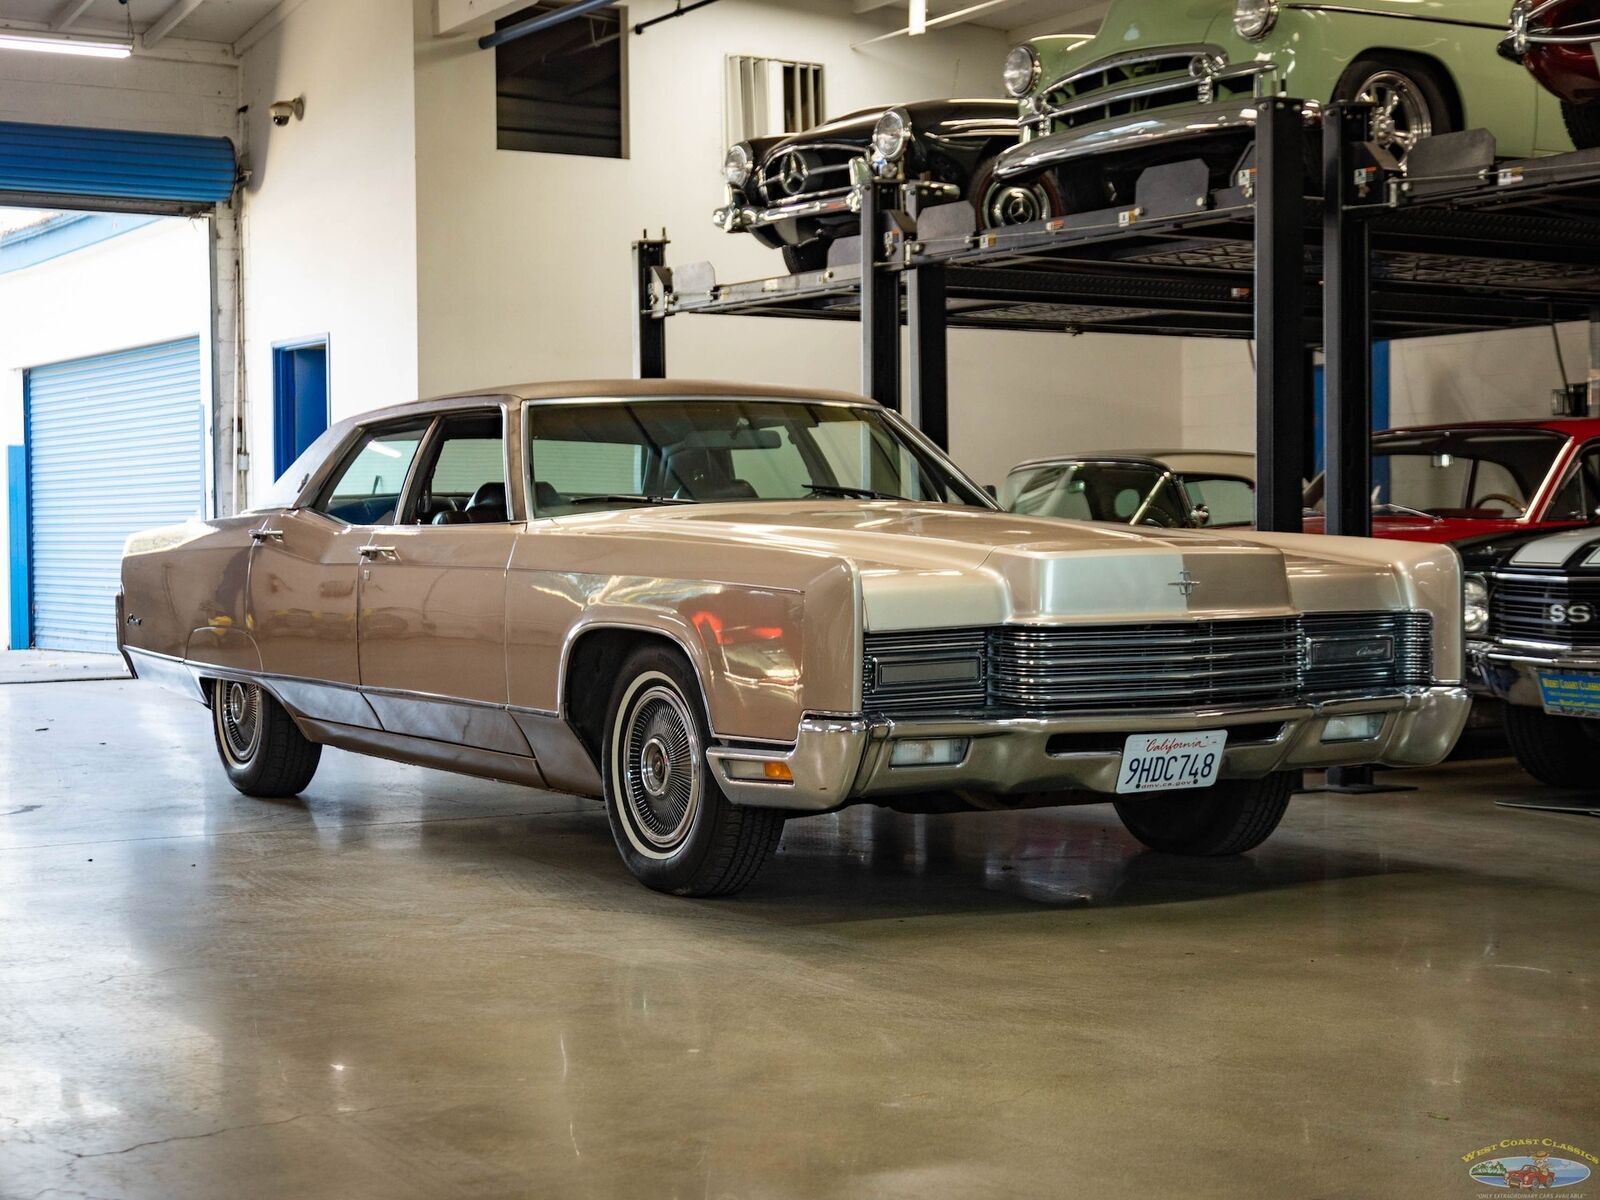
<point>1312,45</point>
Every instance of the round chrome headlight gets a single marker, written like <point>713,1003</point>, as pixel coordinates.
<point>1475,605</point>
<point>891,136</point>
<point>1021,71</point>
<point>1254,19</point>
<point>737,166</point>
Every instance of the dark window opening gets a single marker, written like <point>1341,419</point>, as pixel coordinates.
<point>561,90</point>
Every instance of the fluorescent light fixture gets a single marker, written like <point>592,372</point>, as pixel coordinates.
<point>919,17</point>
<point>64,45</point>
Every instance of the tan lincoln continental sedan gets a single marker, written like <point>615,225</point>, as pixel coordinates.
<point>715,607</point>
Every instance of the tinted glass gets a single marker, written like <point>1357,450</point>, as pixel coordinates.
<point>1223,499</point>
<point>1579,497</point>
<point>590,457</point>
<point>1479,474</point>
<point>466,478</point>
<point>366,491</point>
<point>1124,493</point>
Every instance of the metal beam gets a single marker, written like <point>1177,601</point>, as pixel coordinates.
<point>1281,399</point>
<point>649,330</point>
<point>880,300</point>
<point>178,12</point>
<point>68,16</point>
<point>1347,328</point>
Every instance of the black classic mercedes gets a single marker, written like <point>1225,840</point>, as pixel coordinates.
<point>796,192</point>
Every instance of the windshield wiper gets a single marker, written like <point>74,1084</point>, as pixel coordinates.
<point>627,499</point>
<point>1407,510</point>
<point>849,493</point>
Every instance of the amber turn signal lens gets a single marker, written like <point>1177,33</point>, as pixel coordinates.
<point>778,771</point>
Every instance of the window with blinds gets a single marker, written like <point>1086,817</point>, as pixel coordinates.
<point>767,96</point>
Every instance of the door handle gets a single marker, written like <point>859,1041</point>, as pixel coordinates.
<point>266,535</point>
<point>379,552</point>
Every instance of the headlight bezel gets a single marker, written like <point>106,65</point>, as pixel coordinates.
<point>1254,19</point>
<point>1019,90</point>
<point>889,147</point>
<point>738,165</point>
<point>1475,605</point>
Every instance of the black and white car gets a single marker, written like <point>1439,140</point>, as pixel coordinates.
<point>1539,651</point>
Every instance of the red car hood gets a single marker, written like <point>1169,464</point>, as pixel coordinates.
<point>1421,529</point>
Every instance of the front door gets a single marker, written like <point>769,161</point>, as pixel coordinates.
<point>304,576</point>
<point>432,589</point>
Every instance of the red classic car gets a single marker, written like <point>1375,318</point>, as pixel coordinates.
<point>1472,483</point>
<point>1532,1175</point>
<point>1556,40</point>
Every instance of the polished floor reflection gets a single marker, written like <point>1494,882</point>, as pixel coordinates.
<point>412,985</point>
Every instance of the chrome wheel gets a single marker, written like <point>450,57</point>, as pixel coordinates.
<point>662,766</point>
<point>1401,115</point>
<point>1015,204</point>
<point>239,720</point>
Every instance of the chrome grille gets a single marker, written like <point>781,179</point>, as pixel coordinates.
<point>1046,671</point>
<point>795,172</point>
<point>1141,81</point>
<point>1524,610</point>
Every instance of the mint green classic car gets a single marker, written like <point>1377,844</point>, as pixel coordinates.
<point>1166,75</point>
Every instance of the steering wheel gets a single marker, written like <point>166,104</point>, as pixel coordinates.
<point>1517,507</point>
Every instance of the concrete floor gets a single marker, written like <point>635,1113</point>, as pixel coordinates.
<point>412,985</point>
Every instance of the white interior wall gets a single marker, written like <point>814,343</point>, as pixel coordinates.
<point>148,286</point>
<point>329,227</point>
<point>523,264</point>
<point>156,95</point>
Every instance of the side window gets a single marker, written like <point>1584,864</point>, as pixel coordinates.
<point>366,491</point>
<point>465,482</point>
<point>1579,497</point>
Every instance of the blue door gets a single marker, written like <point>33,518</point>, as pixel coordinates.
<point>115,444</point>
<point>299,400</point>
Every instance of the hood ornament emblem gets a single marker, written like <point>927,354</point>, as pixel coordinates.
<point>1186,582</point>
<point>794,174</point>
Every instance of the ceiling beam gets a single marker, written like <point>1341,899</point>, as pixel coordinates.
<point>1086,19</point>
<point>168,21</point>
<point>69,14</point>
<point>866,6</point>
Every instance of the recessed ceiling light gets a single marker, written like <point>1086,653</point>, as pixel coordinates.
<point>63,45</point>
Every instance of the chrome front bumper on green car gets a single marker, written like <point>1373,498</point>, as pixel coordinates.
<point>839,760</point>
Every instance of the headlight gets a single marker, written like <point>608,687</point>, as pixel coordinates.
<point>1475,606</point>
<point>736,167</point>
<point>1254,19</point>
<point>892,135</point>
<point>1022,71</point>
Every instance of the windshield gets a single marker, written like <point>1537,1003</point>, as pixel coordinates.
<point>1125,493</point>
<point>596,456</point>
<point>1485,474</point>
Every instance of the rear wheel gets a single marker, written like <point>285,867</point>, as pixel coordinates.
<point>1408,98</point>
<point>675,829</point>
<point>1558,751</point>
<point>1230,817</point>
<point>807,256</point>
<point>1583,124</point>
<point>261,748</point>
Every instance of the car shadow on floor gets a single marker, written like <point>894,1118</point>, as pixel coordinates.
<point>869,862</point>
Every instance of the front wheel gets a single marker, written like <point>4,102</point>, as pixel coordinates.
<point>1408,99</point>
<point>1020,201</point>
<point>1230,817</point>
<point>261,748</point>
<point>1583,124</point>
<point>1557,751</point>
<point>675,829</point>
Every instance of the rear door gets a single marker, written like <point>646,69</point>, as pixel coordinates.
<point>432,590</point>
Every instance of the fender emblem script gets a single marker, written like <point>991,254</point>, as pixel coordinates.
<point>1186,583</point>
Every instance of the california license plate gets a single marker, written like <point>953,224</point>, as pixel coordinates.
<point>1166,762</point>
<point>1570,693</point>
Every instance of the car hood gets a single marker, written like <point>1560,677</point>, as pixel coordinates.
<point>931,565</point>
<point>976,120</point>
<point>1424,529</point>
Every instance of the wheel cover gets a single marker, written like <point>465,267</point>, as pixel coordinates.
<point>661,767</point>
<point>1016,204</point>
<point>1401,116</point>
<point>239,720</point>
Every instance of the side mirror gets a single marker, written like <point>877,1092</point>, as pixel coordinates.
<point>1200,515</point>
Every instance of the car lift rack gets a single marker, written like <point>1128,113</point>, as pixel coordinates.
<point>1457,242</point>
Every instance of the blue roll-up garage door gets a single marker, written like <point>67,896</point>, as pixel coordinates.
<point>67,166</point>
<point>116,443</point>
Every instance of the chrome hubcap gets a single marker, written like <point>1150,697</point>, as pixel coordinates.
<point>239,719</point>
<point>1401,116</point>
<point>1013,204</point>
<point>661,767</point>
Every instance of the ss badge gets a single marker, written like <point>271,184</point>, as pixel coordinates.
<point>1571,614</point>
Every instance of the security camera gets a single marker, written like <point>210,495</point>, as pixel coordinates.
<point>283,110</point>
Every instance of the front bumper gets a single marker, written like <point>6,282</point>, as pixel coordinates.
<point>1513,675</point>
<point>1179,123</point>
<point>741,218</point>
<point>838,760</point>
